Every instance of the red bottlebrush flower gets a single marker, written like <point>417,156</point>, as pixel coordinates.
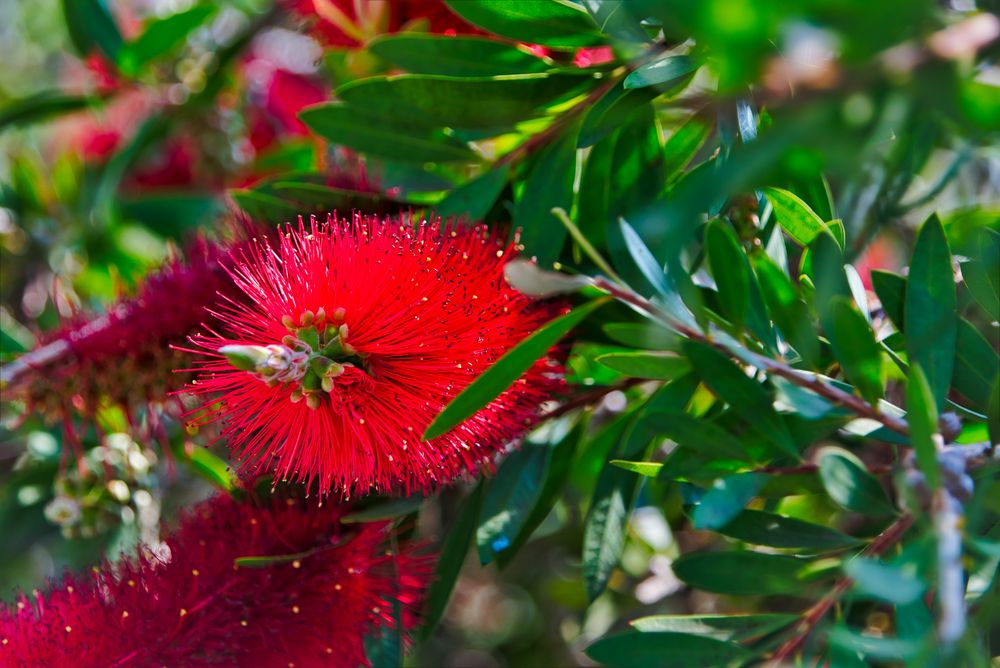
<point>312,606</point>
<point>355,334</point>
<point>124,355</point>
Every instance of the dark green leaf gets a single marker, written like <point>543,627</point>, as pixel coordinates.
<point>660,366</point>
<point>885,582</point>
<point>982,273</point>
<point>481,103</point>
<point>386,510</point>
<point>922,416</point>
<point>665,649</point>
<point>39,107</point>
<point>855,348</point>
<point>615,20</point>
<point>730,271</point>
<point>160,37</point>
<point>874,647</point>
<point>891,292</point>
<point>510,496</point>
<point>725,499</point>
<point>787,308</point>
<point>826,269</point>
<point>474,198</point>
<point>706,438</point>
<point>497,378</point>
<point>976,365</point>
<point>661,73</point>
<point>90,24</point>
<point>460,55</point>
<point>261,206</point>
<point>530,21</point>
<point>745,396</point>
<point>611,112</point>
<point>549,185</point>
<point>265,562</point>
<point>722,627</point>
<point>795,217</point>
<point>641,335</point>
<point>449,564</point>
<point>654,273</point>
<point>849,484</point>
<point>740,573</point>
<point>762,528</point>
<point>931,326</point>
<point>364,130</point>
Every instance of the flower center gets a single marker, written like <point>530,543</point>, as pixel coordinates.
<point>310,356</point>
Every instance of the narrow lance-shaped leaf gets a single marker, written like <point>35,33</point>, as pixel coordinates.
<point>543,22</point>
<point>730,271</point>
<point>929,310</point>
<point>740,573</point>
<point>458,55</point>
<point>787,308</point>
<point>855,348</point>
<point>795,217</point>
<point>665,649</point>
<point>763,528</point>
<point>725,499</point>
<point>449,563</point>
<point>492,382</point>
<point>510,496</point>
<point>661,73</point>
<point>475,197</point>
<point>549,185</point>
<point>655,365</point>
<point>851,485</point>
<point>922,416</point>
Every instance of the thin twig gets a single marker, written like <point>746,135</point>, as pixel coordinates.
<point>814,615</point>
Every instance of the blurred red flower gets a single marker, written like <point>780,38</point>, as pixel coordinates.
<point>328,586</point>
<point>351,23</point>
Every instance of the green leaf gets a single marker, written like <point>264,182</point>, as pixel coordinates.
<point>641,335</point>
<point>510,496</point>
<point>474,198</point>
<point>648,469</point>
<point>740,573</point>
<point>480,103</point>
<point>212,468</point>
<point>90,24</point>
<point>559,458</point>
<point>891,292</point>
<point>929,310</point>
<point>543,22</point>
<point>264,207</point>
<point>725,499</point>
<point>884,582</point>
<point>922,416</point>
<point>826,268</point>
<point>40,106</point>
<point>736,628</point>
<point>730,271</point>
<point>549,185</point>
<point>659,366</point>
<point>459,55</point>
<point>746,397</point>
<point>795,217</point>
<point>982,273</point>
<point>160,37</point>
<point>616,21</point>
<point>654,273</point>
<point>855,348</point>
<point>790,313</point>
<point>707,439</point>
<point>449,563</point>
<point>497,378</point>
<point>266,562</point>
<point>389,509</point>
<point>665,649</point>
<point>763,528</point>
<point>363,129</point>
<point>611,112</point>
<point>993,414</point>
<point>851,485</point>
<point>976,365</point>
<point>604,527</point>
<point>683,145</point>
<point>663,73</point>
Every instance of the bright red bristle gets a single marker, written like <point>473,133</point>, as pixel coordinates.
<point>197,608</point>
<point>409,316</point>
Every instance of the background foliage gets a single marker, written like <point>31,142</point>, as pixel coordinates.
<point>779,223</point>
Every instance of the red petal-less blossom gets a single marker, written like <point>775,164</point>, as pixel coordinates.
<point>123,356</point>
<point>331,586</point>
<point>355,334</point>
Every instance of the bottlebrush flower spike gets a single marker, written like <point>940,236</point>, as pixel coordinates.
<point>355,334</point>
<point>124,356</point>
<point>312,606</point>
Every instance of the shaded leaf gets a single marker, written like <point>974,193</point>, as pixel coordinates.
<point>740,573</point>
<point>611,112</point>
<point>790,313</point>
<point>530,21</point>
<point>474,198</point>
<point>855,348</point>
<point>40,106</point>
<point>726,499</point>
<point>510,496</point>
<point>661,73</point>
<point>90,25</point>
<point>549,185</point>
<point>389,509</point>
<point>922,416</point>
<point>930,324</point>
<point>885,582</point>
<point>851,485</point>
<point>730,271</point>
<point>456,55</point>
<point>763,528</point>
<point>665,649</point>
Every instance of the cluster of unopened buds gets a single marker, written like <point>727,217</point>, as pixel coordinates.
<point>312,355</point>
